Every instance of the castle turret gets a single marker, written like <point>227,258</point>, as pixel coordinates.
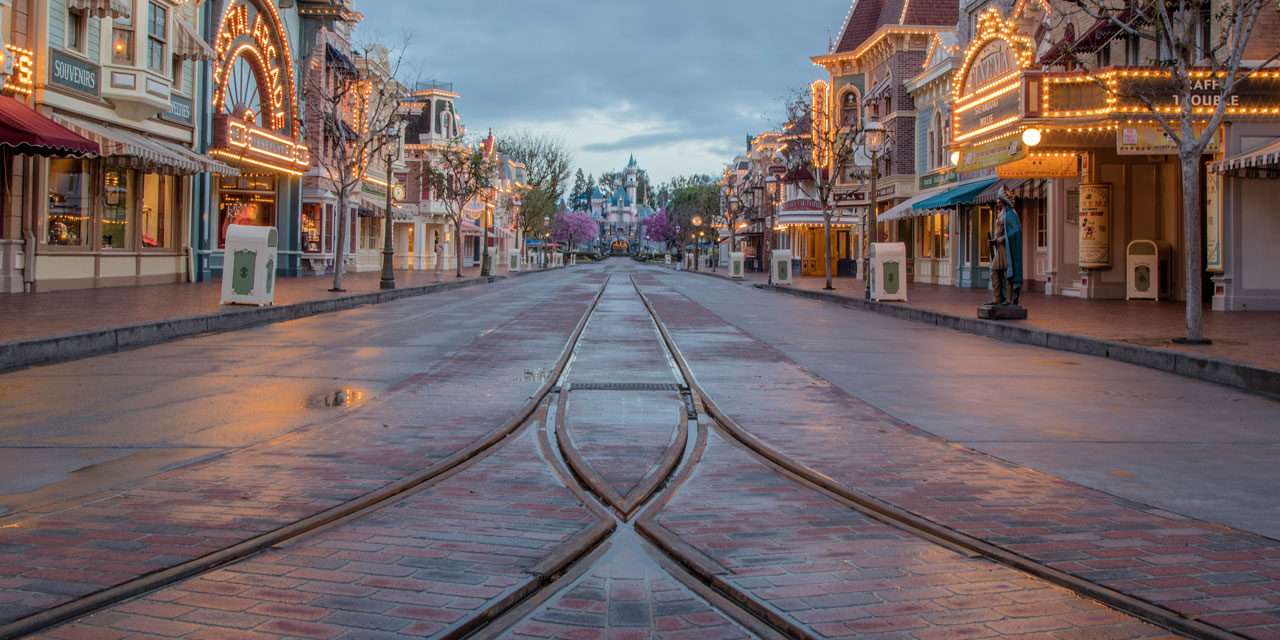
<point>633,171</point>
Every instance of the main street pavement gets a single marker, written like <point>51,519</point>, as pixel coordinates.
<point>824,473</point>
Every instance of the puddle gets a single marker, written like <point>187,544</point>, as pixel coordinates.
<point>340,399</point>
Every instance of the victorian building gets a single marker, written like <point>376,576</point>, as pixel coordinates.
<point>432,122</point>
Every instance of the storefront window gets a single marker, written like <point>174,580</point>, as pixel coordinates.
<point>119,193</point>
<point>159,210</point>
<point>122,40</point>
<point>67,223</point>
<point>248,200</point>
<point>157,35</point>
<point>312,227</point>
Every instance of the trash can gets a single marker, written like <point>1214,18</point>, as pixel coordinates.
<point>737,264</point>
<point>1147,270</point>
<point>888,271</point>
<point>781,266</point>
<point>249,266</point>
<point>513,260</point>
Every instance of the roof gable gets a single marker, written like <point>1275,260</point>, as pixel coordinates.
<point>867,16</point>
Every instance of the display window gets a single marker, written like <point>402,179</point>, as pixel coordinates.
<point>984,236</point>
<point>247,200</point>
<point>157,221</point>
<point>118,203</point>
<point>312,227</point>
<point>70,215</point>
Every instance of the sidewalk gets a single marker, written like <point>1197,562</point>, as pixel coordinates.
<point>1243,338</point>
<point>62,325</point>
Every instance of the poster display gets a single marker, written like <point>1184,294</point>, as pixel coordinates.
<point>1213,222</point>
<point>1095,226</point>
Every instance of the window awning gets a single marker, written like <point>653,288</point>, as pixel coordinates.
<point>340,60</point>
<point>102,8</point>
<point>24,131</point>
<point>188,44</point>
<point>1262,162</point>
<point>141,151</point>
<point>905,209</point>
<point>962,193</point>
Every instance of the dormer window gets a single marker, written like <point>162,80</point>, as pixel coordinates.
<point>122,40</point>
<point>157,36</point>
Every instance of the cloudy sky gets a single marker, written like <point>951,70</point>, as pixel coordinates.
<point>679,83</point>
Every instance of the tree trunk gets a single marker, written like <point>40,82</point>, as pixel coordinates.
<point>826,249</point>
<point>339,252</point>
<point>1191,232</point>
<point>457,234</point>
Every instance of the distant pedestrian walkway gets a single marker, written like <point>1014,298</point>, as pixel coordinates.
<point>58,313</point>
<point>1245,337</point>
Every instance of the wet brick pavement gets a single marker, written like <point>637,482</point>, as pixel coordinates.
<point>182,514</point>
<point>1219,575</point>
<point>623,435</point>
<point>423,566</point>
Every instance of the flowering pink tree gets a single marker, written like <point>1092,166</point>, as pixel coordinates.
<point>660,228</point>
<point>572,227</point>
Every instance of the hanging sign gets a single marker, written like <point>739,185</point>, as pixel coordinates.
<point>1053,166</point>
<point>1095,226</point>
<point>991,154</point>
<point>1213,222</point>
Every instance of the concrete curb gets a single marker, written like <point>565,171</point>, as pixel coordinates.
<point>1245,377</point>
<point>27,353</point>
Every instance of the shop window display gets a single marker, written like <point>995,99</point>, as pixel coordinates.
<point>118,201</point>
<point>312,227</point>
<point>67,223</point>
<point>159,205</point>
<point>247,200</point>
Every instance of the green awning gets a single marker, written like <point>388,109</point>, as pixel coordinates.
<point>963,193</point>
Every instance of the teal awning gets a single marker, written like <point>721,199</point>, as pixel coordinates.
<point>963,193</point>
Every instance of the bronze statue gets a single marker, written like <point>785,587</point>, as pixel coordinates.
<point>1006,264</point>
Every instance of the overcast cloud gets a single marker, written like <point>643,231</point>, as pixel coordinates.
<point>679,83</point>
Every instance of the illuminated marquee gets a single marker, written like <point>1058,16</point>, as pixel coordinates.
<point>255,101</point>
<point>22,80</point>
<point>820,123</point>
<point>987,94</point>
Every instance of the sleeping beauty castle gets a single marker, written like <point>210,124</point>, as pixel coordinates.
<point>619,210</point>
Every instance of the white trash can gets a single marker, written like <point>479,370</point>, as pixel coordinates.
<point>1147,270</point>
<point>513,260</point>
<point>737,264</point>
<point>781,266</point>
<point>249,265</point>
<point>889,271</point>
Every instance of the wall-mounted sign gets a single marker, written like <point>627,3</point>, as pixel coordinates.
<point>937,178</point>
<point>180,110</point>
<point>1095,226</point>
<point>70,72</point>
<point>993,61</point>
<point>246,142</point>
<point>1033,166</point>
<point>1150,139</point>
<point>1213,262</point>
<point>22,79</point>
<point>991,154</point>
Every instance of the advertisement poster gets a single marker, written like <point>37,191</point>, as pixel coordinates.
<point>1095,226</point>
<point>1213,223</point>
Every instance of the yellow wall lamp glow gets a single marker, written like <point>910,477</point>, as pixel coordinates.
<point>1031,137</point>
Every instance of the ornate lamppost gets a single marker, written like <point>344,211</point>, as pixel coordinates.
<point>873,138</point>
<point>390,143</point>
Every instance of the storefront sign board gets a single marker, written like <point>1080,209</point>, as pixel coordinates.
<point>1213,222</point>
<point>937,179</point>
<point>1150,139</point>
<point>991,154</point>
<point>1095,226</point>
<point>1055,166</point>
<point>180,110</point>
<point>70,72</point>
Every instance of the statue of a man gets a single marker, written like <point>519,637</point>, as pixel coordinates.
<point>1006,255</point>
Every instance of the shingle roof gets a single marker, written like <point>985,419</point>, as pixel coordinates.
<point>866,16</point>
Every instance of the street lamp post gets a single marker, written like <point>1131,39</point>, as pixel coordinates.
<point>697,246</point>
<point>872,140</point>
<point>546,236</point>
<point>390,142</point>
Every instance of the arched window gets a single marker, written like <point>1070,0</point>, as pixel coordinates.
<point>937,140</point>
<point>849,108</point>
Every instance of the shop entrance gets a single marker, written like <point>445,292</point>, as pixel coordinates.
<point>245,199</point>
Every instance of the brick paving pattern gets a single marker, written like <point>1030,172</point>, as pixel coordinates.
<point>623,435</point>
<point>836,573</point>
<point>185,513</point>
<point>421,567</point>
<point>620,344</point>
<point>55,313</point>
<point>626,596</point>
<point>1247,337</point>
<point>1203,570</point>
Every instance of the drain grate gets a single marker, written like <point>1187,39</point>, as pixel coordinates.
<point>624,386</point>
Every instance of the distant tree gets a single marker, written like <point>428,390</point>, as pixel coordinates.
<point>572,227</point>
<point>660,228</point>
<point>695,201</point>
<point>546,160</point>
<point>459,174</point>
<point>538,203</point>
<point>579,186</point>
<point>644,188</point>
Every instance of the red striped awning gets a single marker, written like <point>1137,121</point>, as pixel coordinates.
<point>24,131</point>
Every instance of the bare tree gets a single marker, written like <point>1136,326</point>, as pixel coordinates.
<point>350,105</point>
<point>459,174</point>
<point>546,159</point>
<point>817,145</point>
<point>1198,49</point>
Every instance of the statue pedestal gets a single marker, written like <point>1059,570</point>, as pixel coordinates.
<point>1002,312</point>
